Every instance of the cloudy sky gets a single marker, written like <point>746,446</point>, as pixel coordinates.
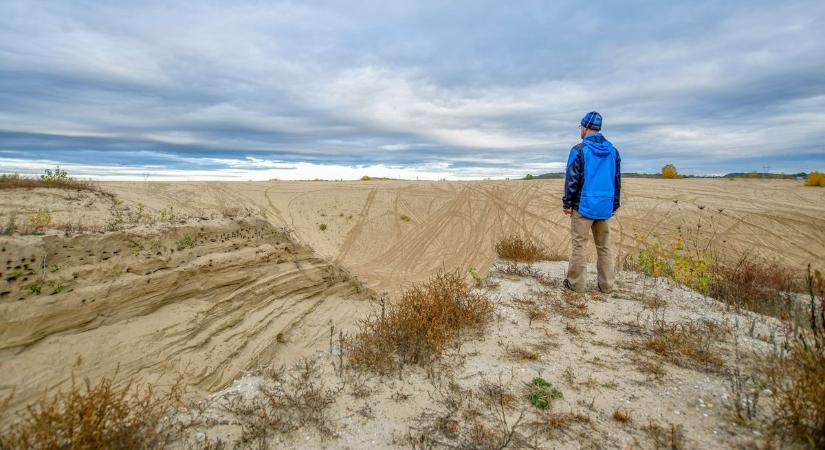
<point>427,89</point>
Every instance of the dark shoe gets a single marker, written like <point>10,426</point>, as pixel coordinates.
<point>566,283</point>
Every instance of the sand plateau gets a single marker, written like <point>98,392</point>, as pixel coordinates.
<point>262,282</point>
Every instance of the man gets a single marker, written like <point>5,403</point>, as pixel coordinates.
<point>592,184</point>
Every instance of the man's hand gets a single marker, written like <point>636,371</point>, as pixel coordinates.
<point>568,211</point>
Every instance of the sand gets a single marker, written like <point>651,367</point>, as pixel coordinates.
<point>455,224</point>
<point>263,282</point>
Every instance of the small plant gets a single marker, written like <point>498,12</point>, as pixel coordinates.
<point>35,288</point>
<point>477,280</point>
<point>54,268</point>
<point>57,287</point>
<point>185,241</point>
<point>41,219</point>
<point>365,178</point>
<point>322,227</point>
<point>405,218</point>
<point>541,393</point>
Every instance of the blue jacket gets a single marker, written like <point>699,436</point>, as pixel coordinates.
<point>593,180</point>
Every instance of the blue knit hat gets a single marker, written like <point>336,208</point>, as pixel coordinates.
<point>592,120</point>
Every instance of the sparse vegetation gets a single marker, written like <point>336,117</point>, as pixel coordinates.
<point>57,178</point>
<point>518,248</point>
<point>795,375</point>
<point>365,178</point>
<point>687,343</point>
<point>405,218</point>
<point>426,319</point>
<point>322,227</point>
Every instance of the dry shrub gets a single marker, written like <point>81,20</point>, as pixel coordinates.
<point>517,248</point>
<point>621,416</point>
<point>94,416</point>
<point>427,318</point>
<point>796,376</point>
<point>687,343</point>
<point>287,403</point>
<point>762,286</point>
<point>531,309</point>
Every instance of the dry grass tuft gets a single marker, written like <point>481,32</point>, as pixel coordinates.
<point>526,270</point>
<point>522,354</point>
<point>101,415</point>
<point>621,416</point>
<point>517,248</point>
<point>687,343</point>
<point>427,318</point>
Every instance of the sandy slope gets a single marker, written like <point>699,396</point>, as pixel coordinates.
<point>456,224</point>
<point>245,293</point>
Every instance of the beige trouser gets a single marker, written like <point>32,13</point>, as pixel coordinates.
<point>577,269</point>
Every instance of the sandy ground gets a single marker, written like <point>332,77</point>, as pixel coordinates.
<point>592,356</point>
<point>262,282</point>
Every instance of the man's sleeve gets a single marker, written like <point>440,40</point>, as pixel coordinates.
<point>573,177</point>
<point>618,192</point>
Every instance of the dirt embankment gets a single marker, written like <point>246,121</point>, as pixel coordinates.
<point>206,299</point>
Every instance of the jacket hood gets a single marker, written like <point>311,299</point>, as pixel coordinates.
<point>598,145</point>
